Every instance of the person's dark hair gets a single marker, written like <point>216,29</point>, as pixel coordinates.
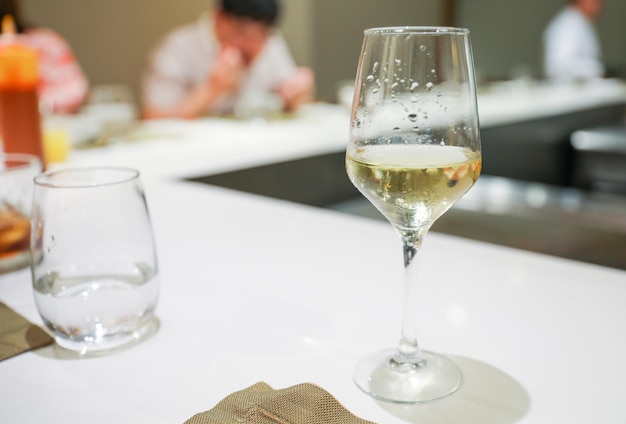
<point>266,11</point>
<point>13,8</point>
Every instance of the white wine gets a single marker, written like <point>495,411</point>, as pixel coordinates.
<point>413,185</point>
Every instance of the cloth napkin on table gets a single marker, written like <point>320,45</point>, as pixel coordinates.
<point>18,335</point>
<point>260,404</point>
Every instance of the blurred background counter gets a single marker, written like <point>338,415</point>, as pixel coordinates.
<point>528,196</point>
<point>526,129</point>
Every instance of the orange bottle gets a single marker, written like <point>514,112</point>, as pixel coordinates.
<point>20,122</point>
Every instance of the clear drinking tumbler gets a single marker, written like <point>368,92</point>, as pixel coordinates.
<point>94,266</point>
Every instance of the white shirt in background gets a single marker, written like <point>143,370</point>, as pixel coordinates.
<point>185,57</point>
<point>571,47</point>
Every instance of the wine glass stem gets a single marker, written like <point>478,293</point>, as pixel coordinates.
<point>408,349</point>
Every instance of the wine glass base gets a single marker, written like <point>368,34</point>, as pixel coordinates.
<point>432,377</point>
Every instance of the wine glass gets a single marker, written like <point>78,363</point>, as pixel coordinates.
<point>414,150</point>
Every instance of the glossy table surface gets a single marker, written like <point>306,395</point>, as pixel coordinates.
<point>258,289</point>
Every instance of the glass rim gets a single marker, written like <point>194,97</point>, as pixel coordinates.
<point>122,175</point>
<point>22,161</point>
<point>423,30</point>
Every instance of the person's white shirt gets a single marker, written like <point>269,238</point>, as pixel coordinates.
<point>184,58</point>
<point>571,47</point>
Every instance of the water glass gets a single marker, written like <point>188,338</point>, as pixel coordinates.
<point>94,268</point>
<point>17,171</point>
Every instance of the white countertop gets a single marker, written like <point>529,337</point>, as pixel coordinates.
<point>257,289</point>
<point>514,101</point>
<point>190,148</point>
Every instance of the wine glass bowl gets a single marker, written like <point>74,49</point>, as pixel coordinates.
<point>414,150</point>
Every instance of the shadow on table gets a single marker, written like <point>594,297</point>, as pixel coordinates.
<point>488,396</point>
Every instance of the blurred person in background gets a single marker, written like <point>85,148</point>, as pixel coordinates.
<point>572,49</point>
<point>232,51</point>
<point>63,86</point>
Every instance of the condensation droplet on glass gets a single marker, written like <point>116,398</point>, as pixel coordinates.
<point>402,81</point>
<point>378,82</point>
<point>414,99</point>
<point>397,61</point>
<point>375,90</point>
<point>414,86</point>
<point>394,85</point>
<point>432,71</point>
<point>396,128</point>
<point>52,237</point>
<point>423,48</point>
<point>442,143</point>
<point>370,78</point>
<point>375,67</point>
<point>429,85</point>
<point>413,117</point>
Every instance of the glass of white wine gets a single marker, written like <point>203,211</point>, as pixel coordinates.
<point>414,150</point>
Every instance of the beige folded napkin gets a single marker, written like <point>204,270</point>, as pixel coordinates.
<point>18,335</point>
<point>260,404</point>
